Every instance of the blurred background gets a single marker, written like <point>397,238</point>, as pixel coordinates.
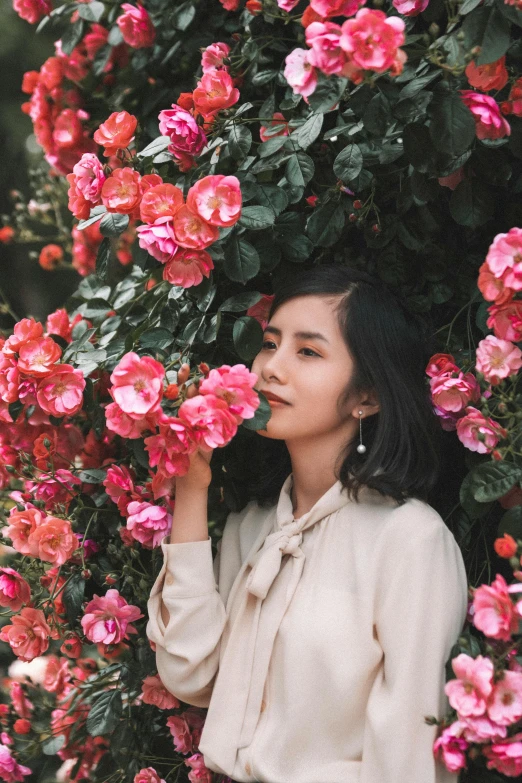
<point>28,289</point>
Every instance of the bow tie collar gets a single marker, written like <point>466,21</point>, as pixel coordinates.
<point>249,634</point>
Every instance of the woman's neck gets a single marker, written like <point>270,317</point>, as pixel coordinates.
<point>313,470</point>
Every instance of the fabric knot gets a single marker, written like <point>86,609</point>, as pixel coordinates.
<point>266,563</point>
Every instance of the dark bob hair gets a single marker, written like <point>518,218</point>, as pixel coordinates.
<point>390,347</point>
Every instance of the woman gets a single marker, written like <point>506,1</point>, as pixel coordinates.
<point>323,645</point>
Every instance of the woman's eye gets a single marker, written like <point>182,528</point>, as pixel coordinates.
<point>265,346</point>
<point>312,352</point>
<point>266,343</point>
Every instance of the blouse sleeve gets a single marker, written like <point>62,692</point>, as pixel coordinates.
<point>187,648</point>
<point>421,606</point>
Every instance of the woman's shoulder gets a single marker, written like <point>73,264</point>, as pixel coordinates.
<point>418,520</point>
<point>245,523</point>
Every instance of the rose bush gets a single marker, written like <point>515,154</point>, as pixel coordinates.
<point>192,157</point>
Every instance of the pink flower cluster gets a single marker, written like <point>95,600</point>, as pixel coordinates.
<point>186,121</point>
<point>108,619</point>
<point>10,770</point>
<point>500,279</point>
<point>47,538</point>
<point>30,373</point>
<point>452,392</point>
<point>55,107</point>
<point>368,42</point>
<point>487,704</point>
<point>177,233</point>
<point>208,420</point>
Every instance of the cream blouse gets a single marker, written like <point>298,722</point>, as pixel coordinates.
<point>317,644</point>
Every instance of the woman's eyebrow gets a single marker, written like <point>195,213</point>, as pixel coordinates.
<point>300,335</point>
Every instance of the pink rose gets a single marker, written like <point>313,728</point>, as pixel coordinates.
<point>148,524</point>
<point>410,7</point>
<point>121,192</point>
<point>468,694</point>
<point>137,384</point>
<point>210,419</point>
<point>10,770</point>
<point>216,199</point>
<point>20,528</point>
<point>185,134</point>
<point>118,482</point>
<point>497,359</point>
<point>371,39</point>
<point>506,320</point>
<point>214,55</point>
<point>327,8</point>
<point>504,258</point>
<point>108,618</point>
<point>300,73</point>
<point>61,392</point>
<point>235,386</point>
<point>158,239</point>
<point>199,773</point>
<point>326,53</point>
<point>169,450</point>
<point>188,267</point>
<point>14,590</point>
<point>287,5</point>
<point>451,747</point>
<point>28,635</point>
<point>478,433</point>
<point>38,357</point>
<point>89,177</point>
<point>32,11</point>
<point>24,331</point>
<point>154,692</point>
<point>494,613</point>
<point>489,122</point>
<point>181,733</point>
<point>57,674</point>
<point>214,92</point>
<point>147,775</point>
<point>128,426</point>
<point>191,231</point>
<point>482,729</point>
<point>160,201</point>
<point>136,26</point>
<point>506,757</point>
<point>454,394</point>
<point>453,179</point>
<point>116,133</point>
<point>505,703</point>
<point>54,540</point>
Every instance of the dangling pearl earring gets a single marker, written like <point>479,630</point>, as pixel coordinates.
<point>361,448</point>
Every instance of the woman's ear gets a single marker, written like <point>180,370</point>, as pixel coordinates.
<point>369,405</point>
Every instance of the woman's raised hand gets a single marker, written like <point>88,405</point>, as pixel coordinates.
<point>199,474</point>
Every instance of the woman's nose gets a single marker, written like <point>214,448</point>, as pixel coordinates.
<point>274,366</point>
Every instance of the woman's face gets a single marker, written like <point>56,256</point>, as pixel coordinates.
<point>309,372</point>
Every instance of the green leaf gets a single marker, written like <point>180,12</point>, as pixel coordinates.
<point>471,203</point>
<point>96,214</point>
<point>307,133</point>
<point>348,163</point>
<point>468,6</point>
<point>113,224</point>
<point>263,77</point>
<point>105,713</point>
<point>183,16</point>
<point>158,145</point>
<point>248,337</point>
<point>413,88</point>
<point>256,218</point>
<point>240,302</point>
<point>472,507</point>
<point>51,746</point>
<point>239,141</point>
<point>72,36</point>
<point>272,197</point>
<point>95,309</point>
<point>102,258</point>
<point>452,127</point>
<point>488,28</point>
<point>417,146</point>
<point>73,594</point>
<point>15,408</point>
<point>511,523</point>
<point>261,416</point>
<point>271,145</point>
<point>377,115</point>
<point>241,260</point>
<point>92,475</point>
<point>326,223</point>
<point>288,233</point>
<point>490,480</point>
<point>157,339</point>
<point>92,12</point>
<point>327,94</point>
<point>299,169</point>
<point>115,36</point>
